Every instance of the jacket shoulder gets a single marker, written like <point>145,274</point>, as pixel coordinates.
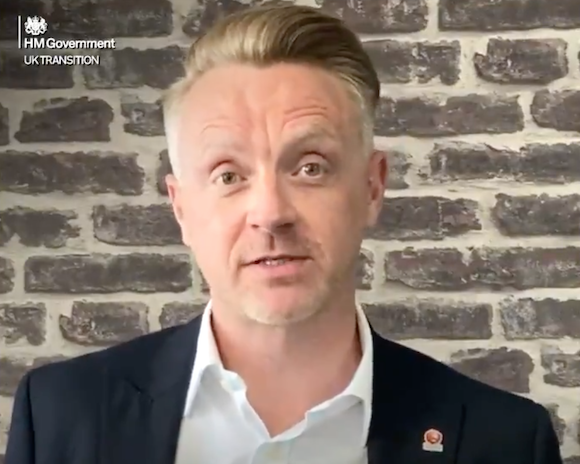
<point>449,382</point>
<point>497,425</point>
<point>82,371</point>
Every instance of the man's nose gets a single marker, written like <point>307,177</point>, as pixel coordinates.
<point>271,208</point>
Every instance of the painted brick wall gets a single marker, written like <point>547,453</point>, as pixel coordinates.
<point>476,259</point>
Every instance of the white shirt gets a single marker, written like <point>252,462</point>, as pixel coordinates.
<point>220,426</point>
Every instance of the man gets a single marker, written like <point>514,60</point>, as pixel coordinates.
<point>274,182</point>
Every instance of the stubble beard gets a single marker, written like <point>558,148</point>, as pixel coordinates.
<point>284,313</point>
<point>309,301</point>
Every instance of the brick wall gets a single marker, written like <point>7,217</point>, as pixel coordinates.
<point>476,259</point>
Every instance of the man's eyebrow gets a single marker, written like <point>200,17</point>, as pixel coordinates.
<point>313,134</point>
<point>216,136</point>
<point>216,146</point>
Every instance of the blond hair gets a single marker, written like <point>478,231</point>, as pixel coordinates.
<point>274,34</point>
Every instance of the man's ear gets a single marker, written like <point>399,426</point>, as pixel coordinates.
<point>378,171</point>
<point>174,195</point>
<point>176,198</point>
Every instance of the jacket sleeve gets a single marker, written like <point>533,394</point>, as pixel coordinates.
<point>546,445</point>
<point>20,447</point>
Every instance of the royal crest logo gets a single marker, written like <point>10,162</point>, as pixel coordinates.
<point>35,25</point>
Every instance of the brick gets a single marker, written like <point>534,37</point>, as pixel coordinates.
<point>365,270</point>
<point>528,319</point>
<point>7,274</point>
<point>45,360</point>
<point>524,61</point>
<point>75,172</point>
<point>557,109</point>
<point>142,118</point>
<point>561,369</point>
<point>525,268</point>
<point>204,14</point>
<point>465,161</point>
<point>35,228</point>
<point>134,68</point>
<point>177,313</point>
<point>4,126</point>
<point>508,369</point>
<point>558,163</point>
<point>116,18</point>
<point>14,74</point>
<point>24,322</point>
<point>9,12</point>
<point>13,369</point>
<point>86,18</point>
<point>163,169</point>
<point>445,269</point>
<point>105,273</point>
<point>558,423</point>
<point>136,225</point>
<point>416,319</point>
<point>405,62</point>
<point>534,215</point>
<point>398,166</point>
<point>428,269</point>
<point>429,217</point>
<point>66,120</point>
<point>461,115</point>
<point>371,17</point>
<point>504,15</point>
<point>104,323</point>
<point>204,285</point>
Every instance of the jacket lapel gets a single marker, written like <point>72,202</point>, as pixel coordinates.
<point>406,443</point>
<point>145,398</point>
<point>405,407</point>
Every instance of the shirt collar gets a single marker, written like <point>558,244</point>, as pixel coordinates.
<point>206,355</point>
<point>360,387</point>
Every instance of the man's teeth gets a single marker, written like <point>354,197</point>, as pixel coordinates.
<point>275,262</point>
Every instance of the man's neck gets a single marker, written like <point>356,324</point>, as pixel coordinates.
<point>289,370</point>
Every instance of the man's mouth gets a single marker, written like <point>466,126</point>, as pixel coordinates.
<point>277,260</point>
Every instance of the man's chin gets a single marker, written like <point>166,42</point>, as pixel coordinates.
<point>279,312</point>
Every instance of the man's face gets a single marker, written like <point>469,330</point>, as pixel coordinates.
<point>272,165</point>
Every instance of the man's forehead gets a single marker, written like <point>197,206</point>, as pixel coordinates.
<point>240,111</point>
<point>313,132</point>
<point>231,138</point>
<point>302,126</point>
<point>289,91</point>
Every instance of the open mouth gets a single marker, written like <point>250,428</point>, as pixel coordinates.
<point>277,261</point>
<point>278,267</point>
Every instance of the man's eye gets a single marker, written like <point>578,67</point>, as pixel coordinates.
<point>312,169</point>
<point>228,178</point>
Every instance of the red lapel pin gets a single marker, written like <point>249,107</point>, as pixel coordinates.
<point>433,441</point>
